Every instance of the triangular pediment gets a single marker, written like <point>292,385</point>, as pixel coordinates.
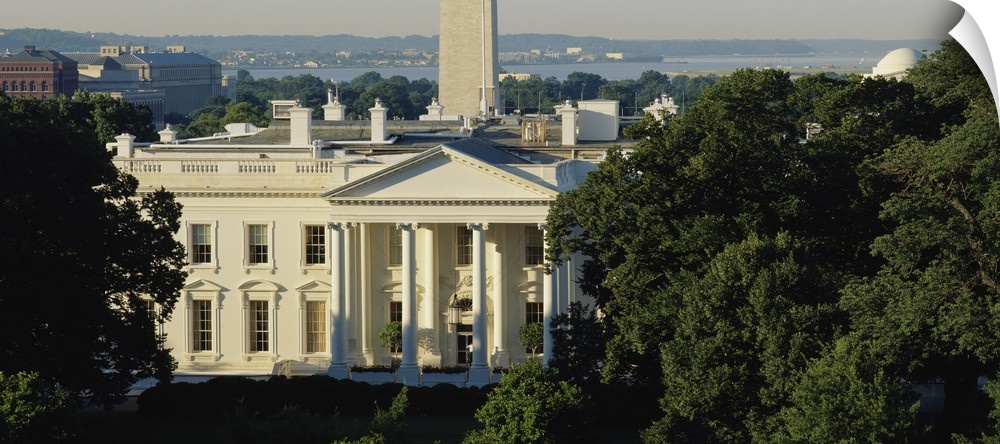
<point>314,287</point>
<point>203,285</point>
<point>445,174</point>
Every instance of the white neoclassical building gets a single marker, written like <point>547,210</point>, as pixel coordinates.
<point>301,251</point>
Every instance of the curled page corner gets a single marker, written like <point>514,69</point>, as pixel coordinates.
<point>976,40</point>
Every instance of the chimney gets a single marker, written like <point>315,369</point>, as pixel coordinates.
<point>378,122</point>
<point>301,125</point>
<point>569,116</point>
<point>126,145</point>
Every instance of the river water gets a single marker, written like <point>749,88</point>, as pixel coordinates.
<point>608,70</point>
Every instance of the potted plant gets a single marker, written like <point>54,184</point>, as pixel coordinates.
<point>530,336</point>
<point>391,337</point>
<point>456,375</point>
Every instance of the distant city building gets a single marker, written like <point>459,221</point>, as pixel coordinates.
<point>468,57</point>
<point>662,106</point>
<point>896,63</point>
<point>187,79</point>
<point>519,76</point>
<point>152,99</point>
<point>38,74</point>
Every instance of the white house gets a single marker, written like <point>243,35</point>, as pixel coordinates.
<point>301,252</point>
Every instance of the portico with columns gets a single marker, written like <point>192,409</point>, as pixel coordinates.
<point>440,229</point>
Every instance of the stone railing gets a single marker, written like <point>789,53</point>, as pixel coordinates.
<point>288,174</point>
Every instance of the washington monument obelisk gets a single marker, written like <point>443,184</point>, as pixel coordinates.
<point>468,57</point>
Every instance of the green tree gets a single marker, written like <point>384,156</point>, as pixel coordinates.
<point>530,335</point>
<point>847,397</point>
<point>530,405</point>
<point>33,410</point>
<point>394,97</point>
<point>574,335</point>
<point>534,95</point>
<point>243,112</point>
<point>716,250</point>
<point>716,176</point>
<point>745,332</point>
<point>69,211</point>
<point>391,336</point>
<point>581,86</point>
<point>930,311</point>
<point>108,117</point>
<point>993,436</point>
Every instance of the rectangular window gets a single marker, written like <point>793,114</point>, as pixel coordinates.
<point>534,312</point>
<point>201,326</point>
<point>315,327</point>
<point>201,244</point>
<point>257,244</point>
<point>534,246</point>
<point>463,244</point>
<point>395,311</point>
<point>315,244</point>
<point>396,315</point>
<point>151,310</point>
<point>395,247</point>
<point>259,333</point>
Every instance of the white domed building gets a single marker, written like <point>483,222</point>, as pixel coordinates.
<point>896,63</point>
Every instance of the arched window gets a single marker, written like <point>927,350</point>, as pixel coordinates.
<point>24,86</point>
<point>45,85</point>
<point>13,86</point>
<point>6,86</point>
<point>33,86</point>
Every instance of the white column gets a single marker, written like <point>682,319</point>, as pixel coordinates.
<point>338,341</point>
<point>479,373</point>
<point>550,303</point>
<point>430,317</point>
<point>350,296</point>
<point>501,357</point>
<point>364,286</point>
<point>409,373</point>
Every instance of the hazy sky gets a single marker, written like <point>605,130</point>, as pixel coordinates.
<point>621,19</point>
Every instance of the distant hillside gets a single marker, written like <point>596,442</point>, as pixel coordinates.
<point>215,46</point>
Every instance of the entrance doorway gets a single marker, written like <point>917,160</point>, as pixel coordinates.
<point>463,353</point>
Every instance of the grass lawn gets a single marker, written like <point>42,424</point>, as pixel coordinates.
<point>130,427</point>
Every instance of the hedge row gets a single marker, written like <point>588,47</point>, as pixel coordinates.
<point>211,401</point>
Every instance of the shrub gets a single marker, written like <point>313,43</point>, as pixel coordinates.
<point>531,405</point>
<point>445,369</point>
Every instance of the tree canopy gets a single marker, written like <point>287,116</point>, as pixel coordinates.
<point>87,251</point>
<point>730,251</point>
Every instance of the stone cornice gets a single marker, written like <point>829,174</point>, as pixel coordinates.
<point>442,202</point>
<point>244,194</point>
